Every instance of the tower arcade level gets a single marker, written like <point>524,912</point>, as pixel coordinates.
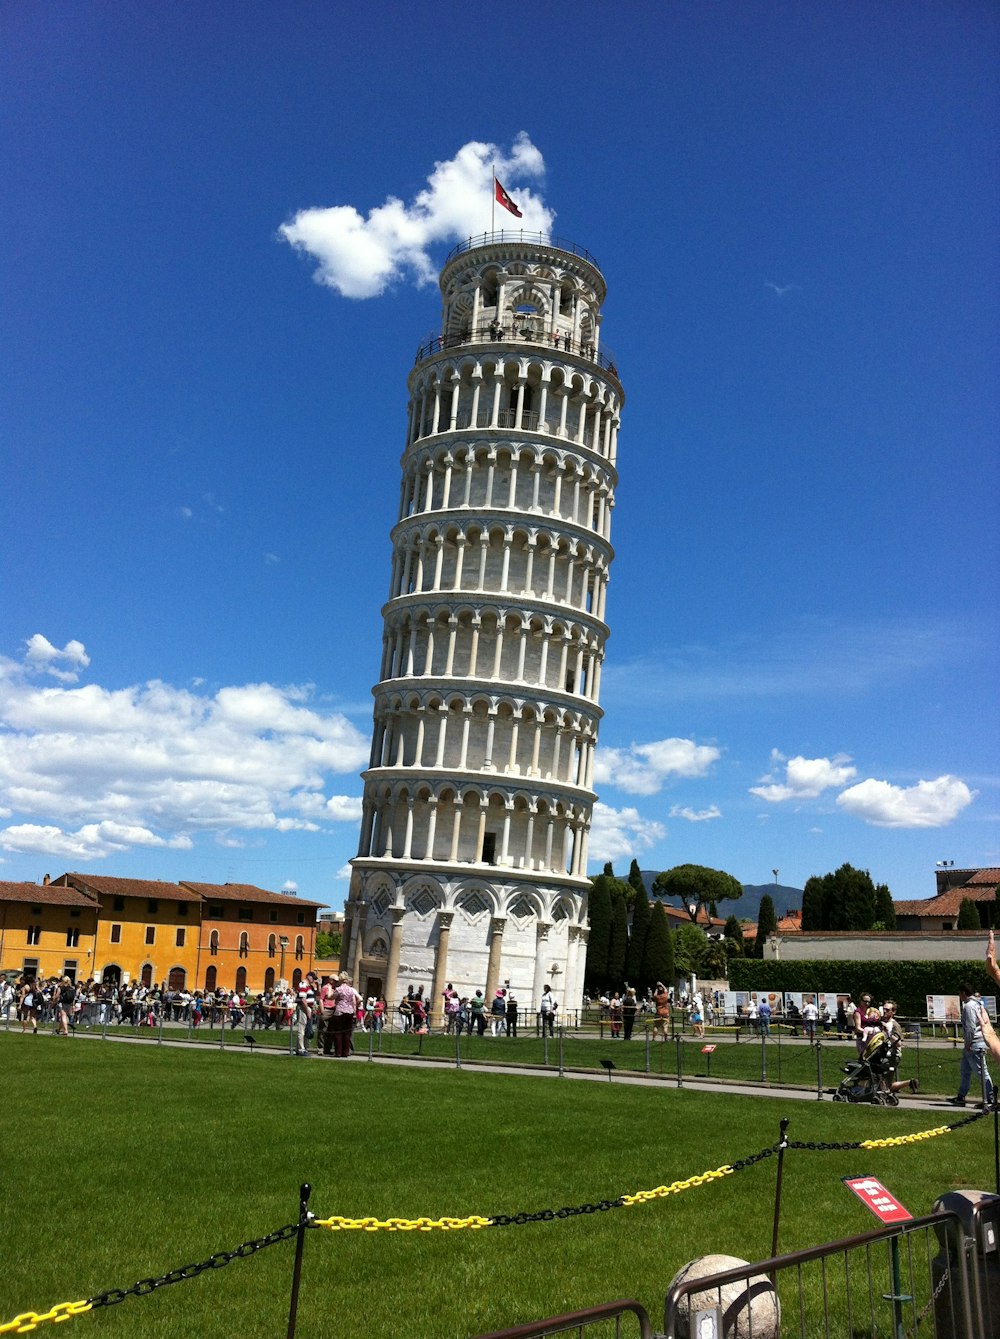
<point>472,860</point>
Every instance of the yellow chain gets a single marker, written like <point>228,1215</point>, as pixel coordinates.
<point>338,1224</point>
<point>906,1138</point>
<point>30,1320</point>
<point>675,1187</point>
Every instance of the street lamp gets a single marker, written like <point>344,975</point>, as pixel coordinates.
<point>775,873</point>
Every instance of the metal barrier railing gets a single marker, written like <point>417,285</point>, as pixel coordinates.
<point>885,1282</point>
<point>577,1322</point>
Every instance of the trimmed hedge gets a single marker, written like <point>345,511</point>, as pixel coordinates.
<point>908,983</point>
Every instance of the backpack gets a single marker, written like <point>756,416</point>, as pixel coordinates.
<point>66,995</point>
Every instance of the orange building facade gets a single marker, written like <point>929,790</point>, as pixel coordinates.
<point>179,935</point>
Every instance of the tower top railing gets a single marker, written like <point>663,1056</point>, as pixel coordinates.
<point>526,333</point>
<point>510,235</point>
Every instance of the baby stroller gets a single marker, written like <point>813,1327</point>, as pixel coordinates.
<point>869,1078</point>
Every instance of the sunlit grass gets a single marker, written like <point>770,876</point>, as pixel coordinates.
<point>126,1161</point>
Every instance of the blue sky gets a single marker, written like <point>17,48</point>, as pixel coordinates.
<point>794,206</point>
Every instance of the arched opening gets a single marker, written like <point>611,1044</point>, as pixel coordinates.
<point>111,975</point>
<point>177,978</point>
<point>241,980</point>
<point>146,975</point>
<point>211,977</point>
<point>269,979</point>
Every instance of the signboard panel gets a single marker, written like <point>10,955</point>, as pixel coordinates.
<point>882,1203</point>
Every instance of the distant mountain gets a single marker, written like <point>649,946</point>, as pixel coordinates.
<point>747,907</point>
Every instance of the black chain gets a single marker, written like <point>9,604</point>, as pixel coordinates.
<point>112,1296</point>
<point>741,1163</point>
<point>968,1120</point>
<point>548,1215</point>
<point>824,1148</point>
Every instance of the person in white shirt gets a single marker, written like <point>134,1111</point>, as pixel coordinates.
<point>547,1011</point>
<point>809,1016</point>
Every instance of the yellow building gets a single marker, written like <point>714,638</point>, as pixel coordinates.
<point>147,931</point>
<point>47,930</point>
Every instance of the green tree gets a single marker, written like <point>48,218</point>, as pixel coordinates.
<point>327,946</point>
<point>618,945</point>
<point>849,899</point>
<point>767,923</point>
<point>716,961</point>
<point>885,908</point>
<point>813,903</point>
<point>599,912</point>
<point>968,915</point>
<point>637,941</point>
<point>734,937</point>
<point>690,949</point>
<point>658,958</point>
<point>697,886</point>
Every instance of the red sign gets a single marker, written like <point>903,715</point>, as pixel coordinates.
<point>873,1193</point>
<point>707,1050</point>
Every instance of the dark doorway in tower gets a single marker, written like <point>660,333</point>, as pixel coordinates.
<point>373,986</point>
<point>489,848</point>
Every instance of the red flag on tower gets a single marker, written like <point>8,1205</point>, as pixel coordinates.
<point>502,198</point>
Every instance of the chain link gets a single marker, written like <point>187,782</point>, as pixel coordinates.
<point>339,1224</point>
<point>30,1320</point>
<point>933,1298</point>
<point>143,1288</point>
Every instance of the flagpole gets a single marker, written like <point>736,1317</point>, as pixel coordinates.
<point>493,216</point>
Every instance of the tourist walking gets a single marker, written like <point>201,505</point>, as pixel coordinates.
<point>345,1011</point>
<point>661,1003</point>
<point>511,1015</point>
<point>974,1053</point>
<point>498,1015</point>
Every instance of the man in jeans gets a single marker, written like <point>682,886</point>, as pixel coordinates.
<point>974,1055</point>
<point>547,1011</point>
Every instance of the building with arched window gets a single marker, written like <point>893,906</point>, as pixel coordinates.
<point>472,859</point>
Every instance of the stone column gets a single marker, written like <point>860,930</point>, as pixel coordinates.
<point>542,929</point>
<point>392,971</point>
<point>497,926</point>
<point>436,1005</point>
<point>361,922</point>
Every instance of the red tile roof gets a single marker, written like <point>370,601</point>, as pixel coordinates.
<point>149,888</point>
<point>246,892</point>
<point>47,894</point>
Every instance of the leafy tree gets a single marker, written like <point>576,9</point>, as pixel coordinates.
<point>767,923</point>
<point>608,871</point>
<point>599,911</point>
<point>813,903</point>
<point>717,957</point>
<point>637,940</point>
<point>968,915</point>
<point>690,949</point>
<point>698,886</point>
<point>327,946</point>
<point>734,937</point>
<point>658,958</point>
<point>618,944</point>
<point>885,908</point>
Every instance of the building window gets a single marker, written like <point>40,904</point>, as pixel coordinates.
<point>74,913</point>
<point>300,918</point>
<point>29,968</point>
<point>154,906</point>
<point>213,942</point>
<point>69,968</point>
<point>36,911</point>
<point>271,946</point>
<point>116,934</point>
<point>150,934</point>
<point>246,913</point>
<point>118,904</point>
<point>216,913</point>
<point>244,945</point>
<point>179,939</point>
<point>73,937</point>
<point>300,947</point>
<point>182,908</point>
<point>272,916</point>
<point>34,934</point>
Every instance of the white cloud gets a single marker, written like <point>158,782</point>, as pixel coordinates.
<point>360,256</point>
<point>343,873</point>
<point>641,769</point>
<point>804,778</point>
<point>928,804</point>
<point>289,886</point>
<point>695,815</point>
<point>87,770</point>
<point>93,841</point>
<point>616,833</point>
<point>64,665</point>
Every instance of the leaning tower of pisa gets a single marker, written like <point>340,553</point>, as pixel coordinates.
<point>472,861</point>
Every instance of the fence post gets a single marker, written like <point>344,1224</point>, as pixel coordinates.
<point>458,1046</point>
<point>371,1041</point>
<point>819,1073</point>
<point>782,1145</point>
<point>159,1034</point>
<point>545,1042</point>
<point>648,1032</point>
<point>300,1240</point>
<point>562,1072</point>
<point>680,1076</point>
<point>763,1057</point>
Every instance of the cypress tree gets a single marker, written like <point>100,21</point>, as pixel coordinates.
<point>812,904</point>
<point>599,912</point>
<point>885,908</point>
<point>637,941</point>
<point>658,958</point>
<point>618,944</point>
<point>767,923</point>
<point>968,915</point>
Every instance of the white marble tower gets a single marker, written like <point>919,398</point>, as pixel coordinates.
<point>472,862</point>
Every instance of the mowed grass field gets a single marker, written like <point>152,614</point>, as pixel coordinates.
<point>122,1162</point>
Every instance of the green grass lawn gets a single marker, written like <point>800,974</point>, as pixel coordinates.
<point>122,1162</point>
